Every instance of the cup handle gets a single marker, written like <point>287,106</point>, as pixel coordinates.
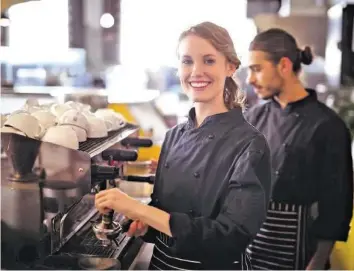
<point>41,131</point>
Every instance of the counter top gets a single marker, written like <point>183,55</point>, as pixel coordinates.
<point>142,259</point>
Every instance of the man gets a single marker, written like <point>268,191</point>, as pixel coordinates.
<point>312,199</point>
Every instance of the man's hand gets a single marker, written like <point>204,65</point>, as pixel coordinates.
<point>319,259</point>
<point>313,265</point>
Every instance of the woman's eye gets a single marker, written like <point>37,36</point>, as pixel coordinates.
<point>187,61</point>
<point>209,61</point>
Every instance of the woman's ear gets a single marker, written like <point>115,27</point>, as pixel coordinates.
<point>231,69</point>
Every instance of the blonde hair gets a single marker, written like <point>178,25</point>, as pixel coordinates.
<point>222,42</point>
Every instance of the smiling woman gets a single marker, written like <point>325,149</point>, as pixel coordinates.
<point>210,59</point>
<point>213,178</point>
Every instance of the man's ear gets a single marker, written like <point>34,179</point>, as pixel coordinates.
<point>285,66</point>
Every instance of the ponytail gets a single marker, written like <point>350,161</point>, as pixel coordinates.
<point>233,97</point>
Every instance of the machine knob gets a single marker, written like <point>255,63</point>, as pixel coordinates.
<point>104,173</point>
<point>141,179</point>
<point>136,142</point>
<point>120,155</point>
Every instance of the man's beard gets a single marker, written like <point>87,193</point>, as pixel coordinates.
<point>271,93</point>
<point>275,91</point>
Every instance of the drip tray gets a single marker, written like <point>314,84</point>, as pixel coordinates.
<point>72,262</point>
<point>59,262</point>
<point>84,242</point>
<point>94,247</point>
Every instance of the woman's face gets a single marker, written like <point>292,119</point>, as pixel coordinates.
<point>202,70</point>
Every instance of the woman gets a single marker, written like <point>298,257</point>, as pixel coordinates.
<point>214,175</point>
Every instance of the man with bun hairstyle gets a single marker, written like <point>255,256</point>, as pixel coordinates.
<point>312,197</point>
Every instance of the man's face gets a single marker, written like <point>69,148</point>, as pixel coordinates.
<point>264,75</point>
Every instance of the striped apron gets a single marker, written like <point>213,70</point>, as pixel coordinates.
<point>282,241</point>
<point>163,260</point>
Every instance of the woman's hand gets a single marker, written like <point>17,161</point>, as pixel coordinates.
<point>120,202</point>
<point>115,199</point>
<point>153,166</point>
<point>137,228</point>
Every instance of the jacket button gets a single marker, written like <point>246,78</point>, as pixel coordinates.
<point>191,211</point>
<point>297,115</point>
<point>196,174</point>
<point>157,200</point>
<point>277,173</point>
<point>211,136</point>
<point>167,165</point>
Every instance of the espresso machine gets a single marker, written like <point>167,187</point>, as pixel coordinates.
<point>104,177</point>
<point>48,218</point>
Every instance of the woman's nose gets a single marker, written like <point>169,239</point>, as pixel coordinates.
<point>197,69</point>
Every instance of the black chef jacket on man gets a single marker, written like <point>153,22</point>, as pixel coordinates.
<point>311,158</point>
<point>215,182</point>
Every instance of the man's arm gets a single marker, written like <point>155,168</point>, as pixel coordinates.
<point>320,258</point>
<point>335,189</point>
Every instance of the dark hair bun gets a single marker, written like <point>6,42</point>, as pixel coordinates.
<point>306,56</point>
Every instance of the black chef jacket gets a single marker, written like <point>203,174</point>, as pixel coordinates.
<point>215,182</point>
<point>311,157</point>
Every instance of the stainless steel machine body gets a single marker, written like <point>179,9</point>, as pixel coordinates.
<point>46,204</point>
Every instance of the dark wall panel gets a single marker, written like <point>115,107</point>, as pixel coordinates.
<point>110,36</point>
<point>76,24</point>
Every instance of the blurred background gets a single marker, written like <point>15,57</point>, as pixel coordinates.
<point>121,54</point>
<point>57,48</point>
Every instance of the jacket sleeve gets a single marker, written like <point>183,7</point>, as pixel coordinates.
<point>335,182</point>
<point>241,215</point>
<point>150,235</point>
